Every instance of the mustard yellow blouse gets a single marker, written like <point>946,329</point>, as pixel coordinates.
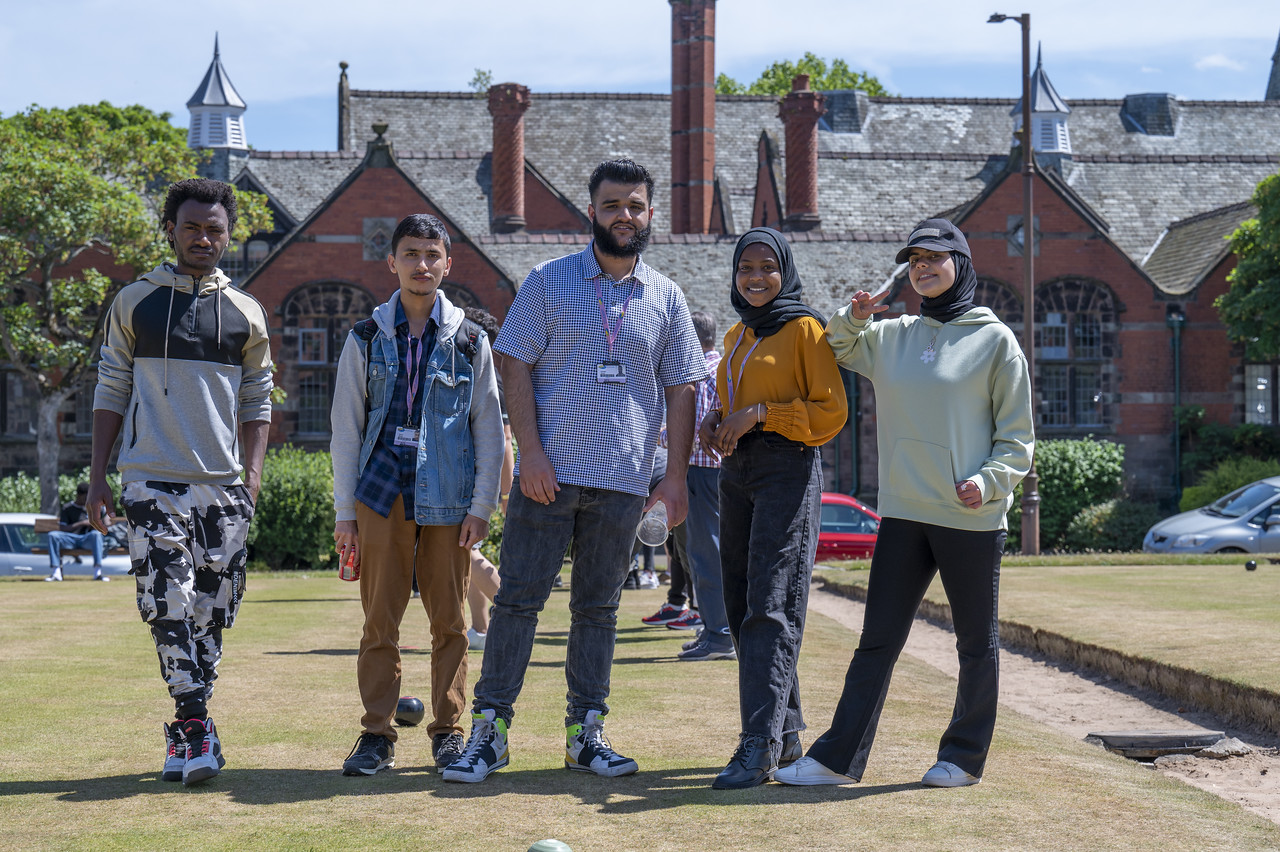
<point>793,372</point>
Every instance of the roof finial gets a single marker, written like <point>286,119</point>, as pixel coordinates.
<point>1039,48</point>
<point>215,45</point>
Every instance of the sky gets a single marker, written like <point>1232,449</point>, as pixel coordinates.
<point>283,55</point>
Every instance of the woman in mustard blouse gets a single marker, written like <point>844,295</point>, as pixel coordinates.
<point>781,398</point>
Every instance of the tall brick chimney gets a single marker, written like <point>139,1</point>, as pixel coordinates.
<point>507,105</point>
<point>693,114</point>
<point>800,111</point>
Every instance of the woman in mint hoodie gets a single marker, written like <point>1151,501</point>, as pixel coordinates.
<point>955,435</point>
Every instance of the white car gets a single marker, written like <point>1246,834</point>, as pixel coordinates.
<point>17,538</point>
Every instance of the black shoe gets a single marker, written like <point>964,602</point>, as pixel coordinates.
<point>558,582</point>
<point>752,765</point>
<point>446,748</point>
<point>371,754</point>
<point>632,581</point>
<point>791,749</point>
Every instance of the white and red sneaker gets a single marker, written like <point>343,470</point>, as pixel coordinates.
<point>665,615</point>
<point>204,751</point>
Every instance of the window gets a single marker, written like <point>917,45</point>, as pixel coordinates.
<point>1075,332</point>
<point>316,321</point>
<point>19,408</point>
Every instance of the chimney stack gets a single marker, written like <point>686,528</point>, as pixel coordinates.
<point>507,105</point>
<point>693,114</point>
<point>800,111</point>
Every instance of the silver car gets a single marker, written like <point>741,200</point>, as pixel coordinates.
<point>1245,521</point>
<point>18,536</point>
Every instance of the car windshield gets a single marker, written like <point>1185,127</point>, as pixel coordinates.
<point>839,518</point>
<point>1244,501</point>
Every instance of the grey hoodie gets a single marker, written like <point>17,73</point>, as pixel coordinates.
<point>185,360</point>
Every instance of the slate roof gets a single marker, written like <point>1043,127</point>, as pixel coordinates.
<point>216,88</point>
<point>1190,249</point>
<point>299,180</point>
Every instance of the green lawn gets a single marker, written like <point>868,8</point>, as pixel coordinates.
<point>81,704</point>
<point>1217,619</point>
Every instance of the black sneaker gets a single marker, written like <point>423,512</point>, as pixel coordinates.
<point>204,751</point>
<point>371,754</point>
<point>175,752</point>
<point>446,748</point>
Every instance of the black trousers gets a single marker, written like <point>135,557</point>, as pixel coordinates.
<point>907,555</point>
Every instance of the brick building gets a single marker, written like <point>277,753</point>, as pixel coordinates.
<point>1133,197</point>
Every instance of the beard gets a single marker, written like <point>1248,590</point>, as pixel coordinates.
<point>604,239</point>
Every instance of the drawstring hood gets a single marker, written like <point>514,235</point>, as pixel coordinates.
<point>200,286</point>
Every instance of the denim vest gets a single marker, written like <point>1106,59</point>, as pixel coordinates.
<point>446,468</point>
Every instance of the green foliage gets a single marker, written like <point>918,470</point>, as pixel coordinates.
<point>1251,307</point>
<point>293,524</point>
<point>21,493</point>
<point>1113,526</point>
<point>1225,477</point>
<point>776,79</point>
<point>491,547</point>
<point>1073,476</point>
<point>481,82</point>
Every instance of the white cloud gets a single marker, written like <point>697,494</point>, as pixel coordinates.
<point>1217,60</point>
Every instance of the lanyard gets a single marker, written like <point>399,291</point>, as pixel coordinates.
<point>610,335</point>
<point>728,367</point>
<point>416,348</point>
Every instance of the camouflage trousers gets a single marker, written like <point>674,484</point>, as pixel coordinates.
<point>187,544</point>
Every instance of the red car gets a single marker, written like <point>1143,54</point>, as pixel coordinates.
<point>848,529</point>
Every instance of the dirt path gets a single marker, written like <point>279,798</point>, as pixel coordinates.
<point>1079,704</point>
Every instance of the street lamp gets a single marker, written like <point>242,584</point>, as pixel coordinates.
<point>1176,318</point>
<point>1030,485</point>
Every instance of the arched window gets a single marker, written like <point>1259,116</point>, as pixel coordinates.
<point>1075,351</point>
<point>316,321</point>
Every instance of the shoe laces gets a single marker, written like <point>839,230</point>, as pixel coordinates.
<point>481,729</point>
<point>367,744</point>
<point>593,733</point>
<point>177,742</point>
<point>746,742</point>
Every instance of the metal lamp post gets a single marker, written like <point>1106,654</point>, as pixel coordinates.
<point>1031,484</point>
<point>1175,318</point>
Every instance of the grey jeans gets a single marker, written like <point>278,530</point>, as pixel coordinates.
<point>601,524</point>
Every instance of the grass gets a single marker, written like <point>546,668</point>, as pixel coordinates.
<point>1215,618</point>
<point>80,749</point>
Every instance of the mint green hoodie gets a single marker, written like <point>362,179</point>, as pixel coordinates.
<point>962,411</point>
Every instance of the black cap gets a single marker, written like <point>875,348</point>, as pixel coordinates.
<point>935,235</point>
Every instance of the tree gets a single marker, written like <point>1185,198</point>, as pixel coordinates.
<point>776,79</point>
<point>1251,307</point>
<point>86,186</point>
<point>481,82</point>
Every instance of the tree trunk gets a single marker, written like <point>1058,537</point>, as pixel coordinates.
<point>48,448</point>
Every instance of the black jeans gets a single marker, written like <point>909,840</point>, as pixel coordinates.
<point>907,555</point>
<point>770,505</point>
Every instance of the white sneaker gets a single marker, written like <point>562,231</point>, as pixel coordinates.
<point>807,772</point>
<point>944,774</point>
<point>587,750</point>
<point>648,579</point>
<point>485,752</point>
<point>55,577</point>
<point>475,640</point>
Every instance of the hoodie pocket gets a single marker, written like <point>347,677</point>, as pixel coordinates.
<point>922,471</point>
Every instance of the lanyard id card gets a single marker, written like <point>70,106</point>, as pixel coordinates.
<point>406,436</point>
<point>611,373</point>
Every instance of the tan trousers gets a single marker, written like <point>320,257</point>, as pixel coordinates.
<point>391,549</point>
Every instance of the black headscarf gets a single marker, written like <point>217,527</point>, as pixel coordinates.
<point>789,304</point>
<point>958,299</point>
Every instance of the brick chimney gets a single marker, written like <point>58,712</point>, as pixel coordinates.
<point>800,111</point>
<point>693,114</point>
<point>507,105</point>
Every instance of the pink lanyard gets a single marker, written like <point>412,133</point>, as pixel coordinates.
<point>416,347</point>
<point>728,367</point>
<point>610,335</point>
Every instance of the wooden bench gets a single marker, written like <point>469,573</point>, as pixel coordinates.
<point>49,524</point>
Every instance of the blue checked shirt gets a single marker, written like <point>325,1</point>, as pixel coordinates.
<point>708,400</point>
<point>599,435</point>
<point>391,470</point>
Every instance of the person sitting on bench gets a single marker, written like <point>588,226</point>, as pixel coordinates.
<point>75,533</point>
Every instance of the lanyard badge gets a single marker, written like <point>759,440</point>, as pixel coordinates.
<point>612,371</point>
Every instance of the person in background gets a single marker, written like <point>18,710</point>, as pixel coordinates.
<point>75,533</point>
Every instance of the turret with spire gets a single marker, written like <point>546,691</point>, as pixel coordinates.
<point>217,118</point>
<point>1049,134</point>
<point>1273,85</point>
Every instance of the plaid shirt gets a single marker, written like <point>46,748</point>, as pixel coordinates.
<point>600,435</point>
<point>708,400</point>
<point>391,470</point>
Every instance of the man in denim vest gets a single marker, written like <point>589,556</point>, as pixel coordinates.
<point>417,448</point>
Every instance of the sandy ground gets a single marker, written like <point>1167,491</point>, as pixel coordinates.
<point>1079,704</point>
